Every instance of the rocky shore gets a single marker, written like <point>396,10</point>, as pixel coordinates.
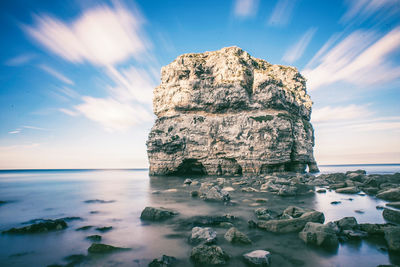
<point>233,239</point>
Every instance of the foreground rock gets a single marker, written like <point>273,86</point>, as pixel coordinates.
<point>258,258</point>
<point>103,248</point>
<point>227,113</point>
<point>392,237</point>
<point>213,193</point>
<point>391,215</point>
<point>233,235</point>
<point>202,235</point>
<point>209,255</point>
<point>392,194</point>
<point>164,261</point>
<point>40,227</point>
<point>292,224</point>
<point>319,234</point>
<point>157,214</point>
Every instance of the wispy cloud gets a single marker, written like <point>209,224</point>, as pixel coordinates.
<point>56,74</point>
<point>362,59</point>
<point>246,8</point>
<point>101,35</point>
<point>68,92</point>
<point>282,13</point>
<point>296,51</point>
<point>340,113</point>
<point>113,115</point>
<point>20,60</point>
<point>17,131</point>
<point>363,9</point>
<point>68,112</point>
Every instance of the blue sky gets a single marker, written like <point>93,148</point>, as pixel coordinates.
<point>77,76</point>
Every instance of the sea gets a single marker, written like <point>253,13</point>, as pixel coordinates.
<point>103,198</point>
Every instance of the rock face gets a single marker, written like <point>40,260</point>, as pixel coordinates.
<point>227,113</point>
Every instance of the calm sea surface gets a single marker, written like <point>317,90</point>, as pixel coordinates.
<point>52,194</point>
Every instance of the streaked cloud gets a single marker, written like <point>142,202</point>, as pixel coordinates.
<point>68,112</point>
<point>363,9</point>
<point>101,35</point>
<point>282,13</point>
<point>20,60</point>
<point>340,113</point>
<point>132,84</point>
<point>111,114</point>
<point>17,131</point>
<point>246,8</point>
<point>56,74</point>
<point>296,51</point>
<point>68,92</point>
<point>21,129</point>
<point>361,59</point>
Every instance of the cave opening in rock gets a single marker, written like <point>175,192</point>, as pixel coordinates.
<point>191,167</point>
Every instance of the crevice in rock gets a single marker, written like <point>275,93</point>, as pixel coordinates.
<point>190,167</point>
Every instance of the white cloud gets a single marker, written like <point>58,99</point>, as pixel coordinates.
<point>296,51</point>
<point>34,128</point>
<point>362,59</point>
<point>20,60</point>
<point>363,9</point>
<point>56,74</point>
<point>111,114</point>
<point>282,13</point>
<point>68,112</point>
<point>131,84</point>
<point>339,113</point>
<point>246,8</point>
<point>68,92</point>
<point>17,131</point>
<point>101,36</point>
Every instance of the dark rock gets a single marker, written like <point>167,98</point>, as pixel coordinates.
<point>164,261</point>
<point>347,223</point>
<point>194,193</point>
<point>156,214</point>
<point>392,237</point>
<point>90,201</point>
<point>392,194</point>
<point>84,228</point>
<point>258,258</point>
<point>321,190</point>
<point>104,229</point>
<point>319,234</point>
<point>209,255</point>
<point>202,235</point>
<point>94,238</point>
<point>379,207</point>
<point>208,220</point>
<point>41,227</point>
<point>68,219</point>
<point>336,202</point>
<point>391,215</point>
<point>233,235</point>
<point>103,248</point>
<point>264,214</point>
<point>394,204</point>
<point>359,211</point>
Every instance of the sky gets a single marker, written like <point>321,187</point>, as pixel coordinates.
<point>77,76</point>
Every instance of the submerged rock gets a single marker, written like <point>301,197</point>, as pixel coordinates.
<point>40,227</point>
<point>209,255</point>
<point>103,248</point>
<point>104,229</point>
<point>202,235</point>
<point>94,238</point>
<point>319,234</point>
<point>156,214</point>
<point>164,261</point>
<point>227,113</point>
<point>233,235</point>
<point>258,258</point>
<point>392,237</point>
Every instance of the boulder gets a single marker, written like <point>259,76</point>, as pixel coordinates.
<point>348,190</point>
<point>258,258</point>
<point>94,238</point>
<point>319,234</point>
<point>347,223</point>
<point>40,227</point>
<point>291,225</point>
<point>394,204</point>
<point>156,214</point>
<point>209,255</point>
<point>103,248</point>
<point>392,194</point>
<point>202,235</point>
<point>392,237</point>
<point>227,113</point>
<point>164,261</point>
<point>391,215</point>
<point>233,235</point>
<point>216,194</point>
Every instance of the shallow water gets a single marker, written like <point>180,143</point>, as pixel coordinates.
<point>56,194</point>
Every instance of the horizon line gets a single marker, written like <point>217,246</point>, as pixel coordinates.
<point>131,169</point>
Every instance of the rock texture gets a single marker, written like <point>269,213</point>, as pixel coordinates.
<point>227,113</point>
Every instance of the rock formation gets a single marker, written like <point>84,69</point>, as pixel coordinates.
<point>227,113</point>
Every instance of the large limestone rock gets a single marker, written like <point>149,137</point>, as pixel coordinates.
<point>227,113</point>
